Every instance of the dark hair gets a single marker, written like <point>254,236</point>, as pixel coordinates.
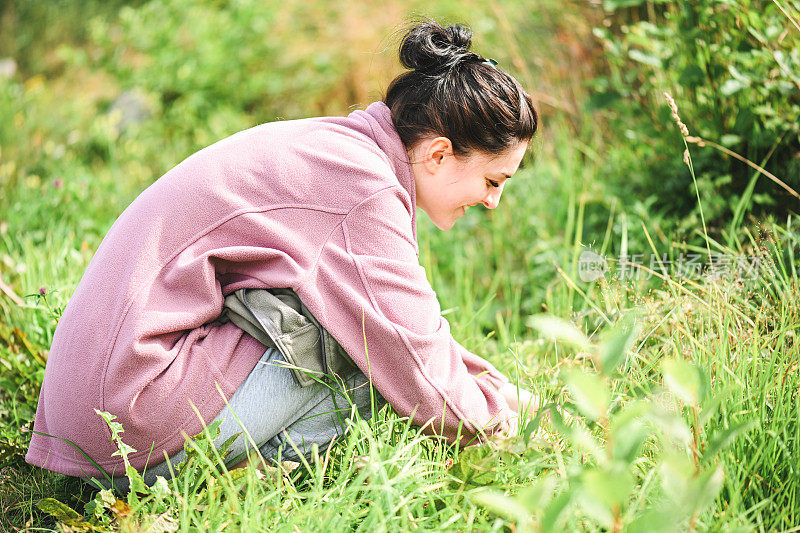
<point>452,92</point>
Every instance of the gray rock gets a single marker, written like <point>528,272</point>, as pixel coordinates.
<point>134,108</point>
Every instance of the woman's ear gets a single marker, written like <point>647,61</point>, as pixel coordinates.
<point>436,152</point>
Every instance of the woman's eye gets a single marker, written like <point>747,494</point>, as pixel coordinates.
<point>492,183</point>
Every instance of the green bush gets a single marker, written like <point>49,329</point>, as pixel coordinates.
<point>733,67</point>
<point>28,30</point>
<point>211,68</point>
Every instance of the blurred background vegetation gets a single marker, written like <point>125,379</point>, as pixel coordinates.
<point>100,98</point>
<point>112,94</point>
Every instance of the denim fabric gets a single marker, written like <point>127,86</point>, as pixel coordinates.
<point>275,409</point>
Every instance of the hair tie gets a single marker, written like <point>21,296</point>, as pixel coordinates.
<point>491,62</point>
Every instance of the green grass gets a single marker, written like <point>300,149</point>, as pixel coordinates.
<point>689,421</point>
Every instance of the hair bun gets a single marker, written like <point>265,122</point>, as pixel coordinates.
<point>429,47</point>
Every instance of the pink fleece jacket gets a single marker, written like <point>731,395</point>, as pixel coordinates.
<point>323,205</point>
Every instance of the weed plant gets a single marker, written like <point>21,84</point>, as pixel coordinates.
<point>733,67</point>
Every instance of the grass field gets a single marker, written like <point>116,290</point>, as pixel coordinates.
<point>671,380</point>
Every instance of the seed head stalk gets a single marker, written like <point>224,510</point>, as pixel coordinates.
<point>687,158</point>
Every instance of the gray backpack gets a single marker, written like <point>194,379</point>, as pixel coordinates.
<point>278,319</point>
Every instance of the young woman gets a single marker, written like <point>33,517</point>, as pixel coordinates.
<point>325,208</point>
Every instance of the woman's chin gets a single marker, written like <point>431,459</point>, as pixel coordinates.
<point>444,225</point>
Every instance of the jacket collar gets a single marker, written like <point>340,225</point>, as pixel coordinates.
<point>385,135</point>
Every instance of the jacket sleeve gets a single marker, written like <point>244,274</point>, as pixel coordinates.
<point>482,369</point>
<point>374,297</point>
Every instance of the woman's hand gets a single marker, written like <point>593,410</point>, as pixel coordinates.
<point>523,403</point>
<point>520,400</point>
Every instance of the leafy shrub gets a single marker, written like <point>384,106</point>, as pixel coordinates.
<point>213,67</point>
<point>29,29</point>
<point>734,69</point>
<point>618,445</point>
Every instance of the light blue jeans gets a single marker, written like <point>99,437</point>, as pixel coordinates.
<point>275,410</point>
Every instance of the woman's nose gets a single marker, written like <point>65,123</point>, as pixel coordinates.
<point>493,198</point>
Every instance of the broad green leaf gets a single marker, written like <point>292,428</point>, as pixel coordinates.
<point>604,490</point>
<point>671,426</point>
<point>676,472</point>
<point>611,487</point>
<point>191,467</point>
<point>558,420</point>
<point>123,449</point>
<point>237,474</point>
<point>647,59</point>
<point>224,448</point>
<point>137,484</point>
<point>710,405</point>
<point>555,514</point>
<point>705,488</point>
<point>515,445</point>
<point>628,432</point>
<point>732,86</point>
<point>628,443</point>
<point>557,329</point>
<point>476,465</point>
<point>539,493</point>
<point>536,422</point>
<point>205,440</point>
<point>683,380</point>
<point>500,504</point>
<point>590,394</point>
<point>730,140</point>
<point>160,488</point>
<point>617,342</point>
<point>744,77</point>
<point>723,439</point>
<point>105,498</point>
<point>70,519</point>
<point>655,521</point>
<point>586,442</point>
<point>58,510</point>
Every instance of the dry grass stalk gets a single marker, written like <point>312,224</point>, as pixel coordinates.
<point>674,108</point>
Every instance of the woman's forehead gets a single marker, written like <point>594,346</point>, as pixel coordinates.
<point>505,162</point>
